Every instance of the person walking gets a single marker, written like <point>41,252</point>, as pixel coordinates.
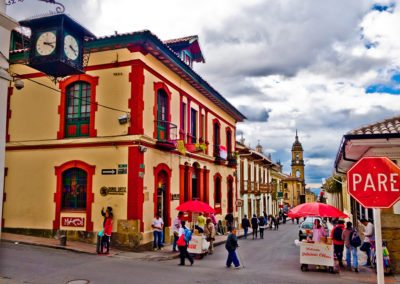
<point>261,226</point>
<point>254,225</point>
<point>209,231</point>
<point>157,226</point>
<point>176,226</point>
<point>104,236</point>
<point>277,220</point>
<point>185,236</point>
<point>231,245</point>
<point>245,225</point>
<point>369,237</point>
<point>338,243</point>
<point>347,236</point>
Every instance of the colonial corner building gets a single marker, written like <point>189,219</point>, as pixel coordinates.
<point>139,131</point>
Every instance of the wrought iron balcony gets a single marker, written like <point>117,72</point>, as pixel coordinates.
<point>167,134</point>
<point>232,161</point>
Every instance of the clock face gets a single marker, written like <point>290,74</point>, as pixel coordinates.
<point>46,43</point>
<point>71,47</point>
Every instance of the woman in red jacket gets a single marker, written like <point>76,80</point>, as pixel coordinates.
<point>107,228</point>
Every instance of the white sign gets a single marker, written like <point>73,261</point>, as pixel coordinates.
<point>316,253</point>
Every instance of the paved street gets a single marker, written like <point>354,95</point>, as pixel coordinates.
<point>275,259</point>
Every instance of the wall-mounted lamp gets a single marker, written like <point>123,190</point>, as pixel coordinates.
<point>124,118</point>
<point>142,148</point>
<point>19,84</point>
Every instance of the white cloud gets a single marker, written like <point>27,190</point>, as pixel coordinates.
<point>305,62</point>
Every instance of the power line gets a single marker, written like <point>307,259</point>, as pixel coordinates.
<point>75,97</point>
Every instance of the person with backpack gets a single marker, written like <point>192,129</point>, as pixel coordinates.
<point>185,235</point>
<point>338,243</point>
<point>261,226</point>
<point>245,225</point>
<point>231,245</point>
<point>254,225</point>
<point>351,241</point>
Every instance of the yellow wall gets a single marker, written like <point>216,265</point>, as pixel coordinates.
<point>31,183</point>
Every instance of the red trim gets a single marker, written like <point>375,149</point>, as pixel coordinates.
<point>181,184</point>
<point>200,182</point>
<point>136,102</point>
<point>230,179</point>
<point>135,197</point>
<point>93,81</point>
<point>160,86</point>
<point>156,171</point>
<point>181,119</point>
<point>90,170</point>
<point>206,186</point>
<point>218,209</point>
<point>9,94</point>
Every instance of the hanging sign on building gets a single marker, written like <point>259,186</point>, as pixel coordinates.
<point>73,221</point>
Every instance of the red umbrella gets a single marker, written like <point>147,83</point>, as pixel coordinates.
<point>316,209</point>
<point>195,206</point>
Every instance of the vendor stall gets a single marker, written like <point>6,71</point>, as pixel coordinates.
<point>198,245</point>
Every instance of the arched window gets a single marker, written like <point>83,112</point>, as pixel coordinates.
<point>74,187</point>
<point>298,174</point>
<point>216,137</point>
<point>77,112</point>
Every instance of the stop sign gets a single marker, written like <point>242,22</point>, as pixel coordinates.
<point>374,182</point>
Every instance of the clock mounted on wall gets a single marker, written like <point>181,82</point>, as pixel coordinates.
<point>56,45</point>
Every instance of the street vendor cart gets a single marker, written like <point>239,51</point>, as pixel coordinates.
<point>316,254</point>
<point>320,253</point>
<point>198,246</point>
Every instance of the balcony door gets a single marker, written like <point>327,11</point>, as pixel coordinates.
<point>162,116</point>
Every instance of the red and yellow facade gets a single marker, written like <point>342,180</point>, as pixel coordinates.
<point>70,153</point>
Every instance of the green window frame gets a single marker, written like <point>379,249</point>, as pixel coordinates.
<point>78,96</point>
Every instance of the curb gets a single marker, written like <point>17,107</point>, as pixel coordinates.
<point>47,246</point>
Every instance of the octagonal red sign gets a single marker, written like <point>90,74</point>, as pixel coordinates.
<point>374,182</point>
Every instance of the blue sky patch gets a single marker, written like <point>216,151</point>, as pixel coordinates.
<point>392,87</point>
<point>384,7</point>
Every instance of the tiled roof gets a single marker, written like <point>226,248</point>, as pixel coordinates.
<point>388,126</point>
<point>180,40</point>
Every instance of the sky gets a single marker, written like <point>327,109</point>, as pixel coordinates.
<point>321,67</point>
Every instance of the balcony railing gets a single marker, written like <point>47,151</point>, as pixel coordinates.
<point>167,134</point>
<point>232,161</point>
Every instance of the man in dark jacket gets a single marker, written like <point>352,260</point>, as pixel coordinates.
<point>245,225</point>
<point>254,225</point>
<point>229,221</point>
<point>231,245</point>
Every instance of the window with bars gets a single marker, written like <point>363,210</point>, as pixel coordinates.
<point>78,109</point>
<point>74,185</point>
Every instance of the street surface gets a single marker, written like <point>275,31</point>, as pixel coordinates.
<point>275,259</point>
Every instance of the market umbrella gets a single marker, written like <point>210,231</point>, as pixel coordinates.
<point>195,206</point>
<point>316,209</point>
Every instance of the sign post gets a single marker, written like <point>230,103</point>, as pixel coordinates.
<point>375,183</point>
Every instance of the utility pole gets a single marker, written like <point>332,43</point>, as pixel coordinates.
<point>7,24</point>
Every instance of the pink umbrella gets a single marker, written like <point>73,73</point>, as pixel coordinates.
<point>195,206</point>
<point>316,209</point>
